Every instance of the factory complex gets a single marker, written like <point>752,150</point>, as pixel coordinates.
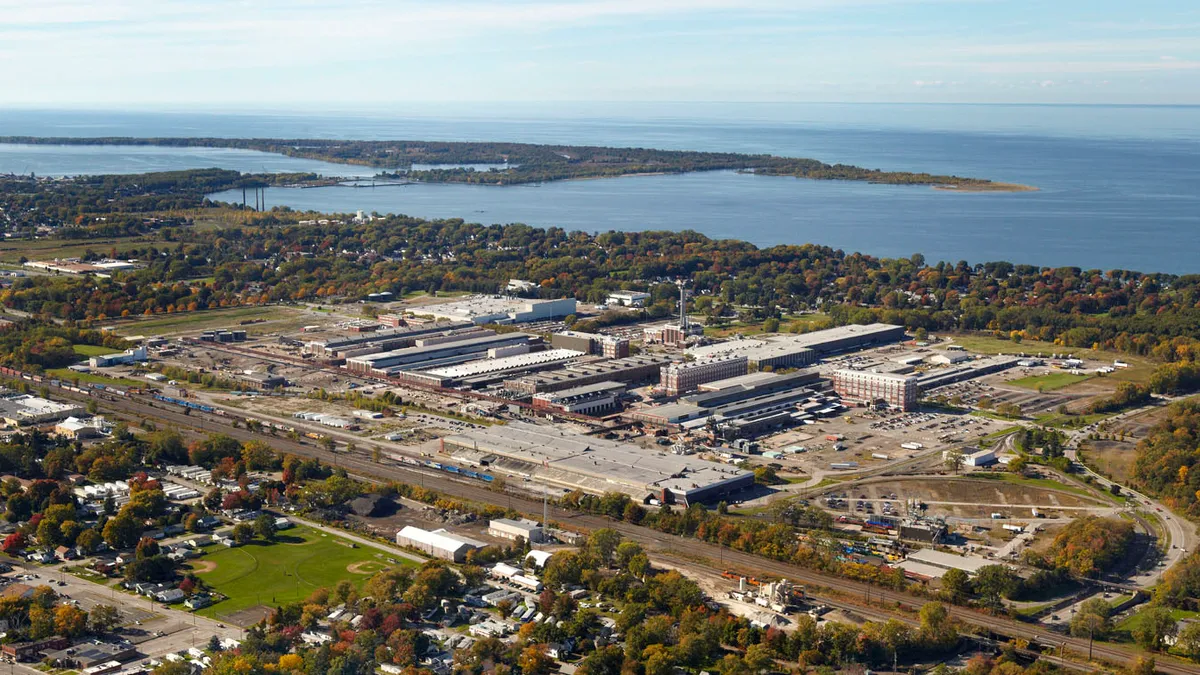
<point>595,465</point>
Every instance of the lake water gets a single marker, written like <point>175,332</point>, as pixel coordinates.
<point>1119,185</point>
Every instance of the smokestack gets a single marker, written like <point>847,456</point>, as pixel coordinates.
<point>683,319</point>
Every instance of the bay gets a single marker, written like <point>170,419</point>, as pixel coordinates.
<point>1118,184</point>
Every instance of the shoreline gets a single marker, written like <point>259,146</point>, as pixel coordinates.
<point>988,187</point>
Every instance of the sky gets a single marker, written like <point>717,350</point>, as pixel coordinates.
<point>332,54</point>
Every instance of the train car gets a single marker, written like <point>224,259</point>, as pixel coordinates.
<point>451,469</point>
<point>487,477</point>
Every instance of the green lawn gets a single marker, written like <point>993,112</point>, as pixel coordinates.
<point>1134,620</point>
<point>984,343</point>
<point>302,560</point>
<point>1050,381</point>
<point>68,375</point>
<point>212,318</point>
<point>93,350</point>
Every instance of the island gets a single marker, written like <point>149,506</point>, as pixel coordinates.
<point>494,163</point>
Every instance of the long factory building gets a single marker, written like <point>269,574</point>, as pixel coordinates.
<point>794,351</point>
<point>399,338</point>
<point>482,372</point>
<point>747,406</point>
<point>427,357</point>
<point>594,465</point>
<point>629,369</point>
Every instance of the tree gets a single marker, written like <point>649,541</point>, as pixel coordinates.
<point>70,621</point>
<point>993,582</point>
<point>1152,627</point>
<point>122,531</point>
<point>173,668</point>
<point>243,533</point>
<point>1092,620</point>
<point>603,544</point>
<point>954,460</point>
<point>1188,640</point>
<point>89,540</point>
<point>146,548</point>
<point>103,618</point>
<point>936,626</point>
<point>534,660</point>
<point>264,526</point>
<point>956,584</point>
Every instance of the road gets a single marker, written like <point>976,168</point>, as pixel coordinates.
<point>143,619</point>
<point>685,550</point>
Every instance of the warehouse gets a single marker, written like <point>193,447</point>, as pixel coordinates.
<point>681,378</point>
<point>438,543</point>
<point>262,380</point>
<point>792,351</point>
<point>481,372</point>
<point>975,456</point>
<point>481,309</point>
<point>22,409</point>
<point>929,563</point>
<point>628,298</point>
<point>425,358</point>
<point>750,379</point>
<point>629,369</point>
<point>382,340</point>
<point>966,371</point>
<point>581,342</point>
<point>507,528</point>
<point>590,399</point>
<point>595,465</point>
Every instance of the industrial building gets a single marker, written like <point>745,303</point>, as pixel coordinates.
<point>750,379</point>
<point>432,356</point>
<point>383,340</point>
<point>869,387</point>
<point>628,298</point>
<point>263,380</point>
<point>930,564</point>
<point>628,369</point>
<point>438,543</point>
<point>590,399</point>
<point>794,351</point>
<point>975,456</point>
<point>595,465</point>
<point>135,355</point>
<point>591,343</point>
<point>507,528</point>
<point>481,309</point>
<point>925,531</point>
<point>22,409</point>
<point>681,378</point>
<point>966,370</point>
<point>485,371</point>
<point>747,409</point>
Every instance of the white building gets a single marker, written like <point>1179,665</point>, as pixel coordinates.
<point>628,298</point>
<point>135,355</point>
<point>438,543</point>
<point>507,528</point>
<point>482,309</point>
<point>975,457</point>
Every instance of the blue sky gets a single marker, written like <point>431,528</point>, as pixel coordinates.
<point>334,54</point>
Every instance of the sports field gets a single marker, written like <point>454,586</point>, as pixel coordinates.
<point>301,560</point>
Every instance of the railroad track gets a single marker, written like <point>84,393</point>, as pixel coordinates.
<point>682,549</point>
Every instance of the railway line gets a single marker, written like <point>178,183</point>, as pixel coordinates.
<point>685,550</point>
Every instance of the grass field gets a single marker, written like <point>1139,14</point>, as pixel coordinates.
<point>1139,368</point>
<point>215,318</point>
<point>1049,381</point>
<point>68,375</point>
<point>302,560</point>
<point>92,350</point>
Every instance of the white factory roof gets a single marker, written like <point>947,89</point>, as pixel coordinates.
<point>766,346</point>
<point>540,558</point>
<point>611,461</point>
<point>484,366</point>
<point>481,305</point>
<point>440,539</point>
<point>947,561</point>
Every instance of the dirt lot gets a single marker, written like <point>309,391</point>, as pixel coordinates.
<point>962,497</point>
<point>1112,458</point>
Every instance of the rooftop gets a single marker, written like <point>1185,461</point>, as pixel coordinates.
<point>505,363</point>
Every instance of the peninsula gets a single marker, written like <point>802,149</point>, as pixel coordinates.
<point>515,163</point>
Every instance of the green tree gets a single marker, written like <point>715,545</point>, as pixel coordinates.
<point>103,618</point>
<point>243,533</point>
<point>603,544</point>
<point>954,460</point>
<point>956,584</point>
<point>1092,620</point>
<point>1152,627</point>
<point>122,531</point>
<point>264,526</point>
<point>993,582</point>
